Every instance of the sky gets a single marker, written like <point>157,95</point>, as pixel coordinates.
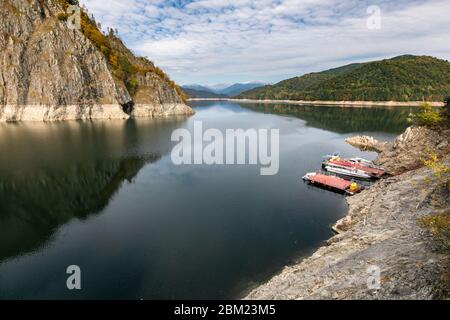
<point>226,41</point>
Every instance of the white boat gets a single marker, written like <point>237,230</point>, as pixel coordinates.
<point>363,162</point>
<point>347,172</point>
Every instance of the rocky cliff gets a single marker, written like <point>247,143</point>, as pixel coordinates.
<point>49,71</point>
<point>382,231</point>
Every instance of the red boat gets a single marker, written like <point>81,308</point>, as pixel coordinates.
<point>333,183</point>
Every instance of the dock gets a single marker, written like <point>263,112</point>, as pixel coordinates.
<point>333,182</point>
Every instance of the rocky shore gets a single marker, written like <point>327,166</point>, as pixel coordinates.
<point>381,233</point>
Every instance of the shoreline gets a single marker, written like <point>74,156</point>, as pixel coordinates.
<point>327,103</point>
<point>381,230</point>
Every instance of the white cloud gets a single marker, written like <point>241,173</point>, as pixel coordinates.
<point>209,41</point>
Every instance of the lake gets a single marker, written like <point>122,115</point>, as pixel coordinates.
<point>106,196</point>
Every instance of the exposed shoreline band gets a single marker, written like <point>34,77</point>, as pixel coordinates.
<point>327,103</point>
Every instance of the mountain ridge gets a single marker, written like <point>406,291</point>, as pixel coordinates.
<point>193,93</point>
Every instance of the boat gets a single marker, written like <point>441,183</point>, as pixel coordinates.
<point>361,161</point>
<point>347,171</point>
<point>333,183</point>
<point>364,162</point>
<point>345,164</point>
<point>354,165</point>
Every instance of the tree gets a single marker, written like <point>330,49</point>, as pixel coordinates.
<point>427,116</point>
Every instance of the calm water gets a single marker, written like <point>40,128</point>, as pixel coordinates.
<point>105,196</point>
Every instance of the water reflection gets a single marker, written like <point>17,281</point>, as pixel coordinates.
<point>343,119</point>
<point>52,173</point>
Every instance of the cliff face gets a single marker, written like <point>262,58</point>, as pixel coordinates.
<point>382,230</point>
<point>51,72</point>
<point>152,92</point>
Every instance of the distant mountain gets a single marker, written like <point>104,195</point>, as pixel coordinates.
<point>197,87</point>
<point>193,93</point>
<point>238,88</point>
<point>218,87</point>
<point>403,78</point>
<point>219,90</point>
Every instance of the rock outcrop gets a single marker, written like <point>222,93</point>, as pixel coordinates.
<point>49,71</point>
<point>366,143</point>
<point>408,151</point>
<point>381,233</point>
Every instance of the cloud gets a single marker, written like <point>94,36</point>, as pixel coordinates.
<point>210,41</point>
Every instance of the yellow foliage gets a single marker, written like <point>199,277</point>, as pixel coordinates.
<point>439,226</point>
<point>440,170</point>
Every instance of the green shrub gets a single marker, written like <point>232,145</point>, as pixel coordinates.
<point>427,116</point>
<point>132,85</point>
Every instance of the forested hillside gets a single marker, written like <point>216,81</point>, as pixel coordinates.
<point>403,78</point>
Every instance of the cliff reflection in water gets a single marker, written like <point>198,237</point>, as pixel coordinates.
<point>55,172</point>
<point>343,119</point>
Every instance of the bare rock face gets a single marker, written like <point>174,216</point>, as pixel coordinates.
<point>50,72</point>
<point>155,98</point>
<point>158,110</point>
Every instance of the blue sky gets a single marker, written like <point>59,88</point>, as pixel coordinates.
<point>226,41</point>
